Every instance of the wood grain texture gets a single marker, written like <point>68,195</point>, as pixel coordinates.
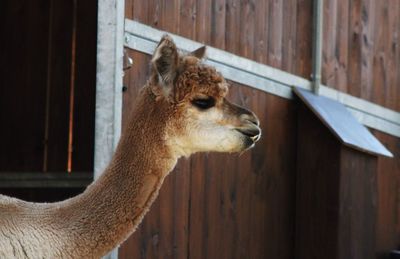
<point>388,211</point>
<point>361,51</point>
<point>357,204</point>
<point>361,57</point>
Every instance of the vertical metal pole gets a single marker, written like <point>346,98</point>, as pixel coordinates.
<point>317,44</point>
<point>110,34</point>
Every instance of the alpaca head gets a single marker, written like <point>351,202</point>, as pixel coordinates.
<point>201,119</point>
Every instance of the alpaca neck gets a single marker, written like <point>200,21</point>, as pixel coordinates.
<point>114,205</point>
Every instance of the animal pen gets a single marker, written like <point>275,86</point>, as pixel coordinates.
<point>67,87</point>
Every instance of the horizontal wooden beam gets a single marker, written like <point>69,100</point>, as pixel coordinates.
<point>45,180</point>
<point>144,38</point>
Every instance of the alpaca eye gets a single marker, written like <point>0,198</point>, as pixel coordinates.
<point>204,103</point>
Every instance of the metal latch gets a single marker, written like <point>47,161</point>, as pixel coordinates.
<point>128,62</point>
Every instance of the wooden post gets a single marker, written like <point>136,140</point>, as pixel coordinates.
<point>336,195</point>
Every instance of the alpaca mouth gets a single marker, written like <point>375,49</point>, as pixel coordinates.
<point>253,133</point>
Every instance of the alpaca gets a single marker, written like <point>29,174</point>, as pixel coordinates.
<point>181,110</point>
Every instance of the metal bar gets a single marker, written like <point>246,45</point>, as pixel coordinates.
<point>150,37</point>
<point>362,105</point>
<point>317,45</point>
<point>45,180</point>
<point>144,38</point>
<point>110,45</point>
<point>108,81</point>
<point>118,69</point>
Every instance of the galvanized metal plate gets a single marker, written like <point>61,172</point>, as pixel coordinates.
<point>342,123</point>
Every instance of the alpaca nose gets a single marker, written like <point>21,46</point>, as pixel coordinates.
<point>251,118</point>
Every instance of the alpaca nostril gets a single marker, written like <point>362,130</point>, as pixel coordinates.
<point>251,118</point>
<point>255,121</point>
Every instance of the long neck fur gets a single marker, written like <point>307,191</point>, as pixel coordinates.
<point>91,224</point>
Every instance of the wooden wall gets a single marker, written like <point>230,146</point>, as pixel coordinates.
<point>224,206</point>
<point>362,51</point>
<point>362,57</point>
<point>388,225</point>
<point>221,206</point>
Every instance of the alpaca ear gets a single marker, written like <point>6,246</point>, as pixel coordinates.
<point>199,53</point>
<point>165,60</point>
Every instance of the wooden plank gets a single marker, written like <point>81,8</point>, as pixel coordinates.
<point>272,184</point>
<point>355,59</point>
<point>357,204</point>
<point>304,38</point>
<point>317,188</point>
<point>380,75</point>
<point>129,9</point>
<point>23,69</point>
<point>232,23</point>
<point>329,43</point>
<point>289,36</point>
<point>59,79</point>
<point>171,16</point>
<point>188,19</point>
<point>388,206</point>
<point>246,29</point>
<point>261,32</point>
<point>391,94</point>
<point>368,25</point>
<point>396,57</point>
<point>197,223</point>
<point>218,25</point>
<point>85,86</point>
<point>342,124</point>
<point>341,48</point>
<point>275,36</point>
<point>203,21</point>
<point>145,10</point>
